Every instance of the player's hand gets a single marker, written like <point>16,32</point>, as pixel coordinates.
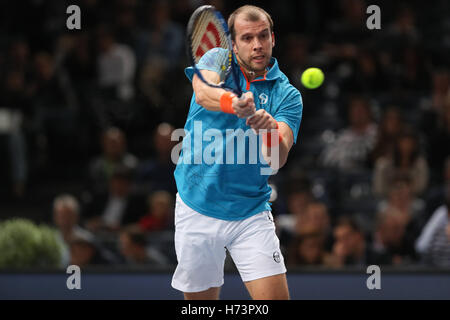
<point>262,120</point>
<point>245,106</point>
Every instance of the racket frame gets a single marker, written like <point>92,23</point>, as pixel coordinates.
<point>231,68</point>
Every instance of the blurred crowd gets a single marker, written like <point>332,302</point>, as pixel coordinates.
<point>86,118</point>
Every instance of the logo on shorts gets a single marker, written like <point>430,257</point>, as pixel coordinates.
<point>276,257</point>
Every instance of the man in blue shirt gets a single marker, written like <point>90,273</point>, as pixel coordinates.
<point>222,201</point>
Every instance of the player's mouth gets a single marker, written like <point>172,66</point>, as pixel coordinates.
<point>259,59</point>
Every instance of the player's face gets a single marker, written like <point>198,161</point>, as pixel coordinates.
<point>253,43</point>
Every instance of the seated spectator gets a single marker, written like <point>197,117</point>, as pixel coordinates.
<point>14,104</point>
<point>85,251</point>
<point>401,197</point>
<point>116,66</point>
<point>406,160</point>
<point>390,238</point>
<point>114,154</point>
<point>66,215</point>
<point>316,220</point>
<point>299,197</point>
<point>438,138</point>
<point>153,38</point>
<point>390,127</point>
<point>433,244</point>
<point>306,249</point>
<point>350,247</point>
<point>160,212</point>
<point>159,52</point>
<point>354,143</point>
<point>436,195</point>
<point>135,249</point>
<point>54,109</point>
<point>157,172</point>
<point>409,208</point>
<point>119,207</point>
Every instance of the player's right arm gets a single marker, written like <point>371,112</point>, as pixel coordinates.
<point>210,98</point>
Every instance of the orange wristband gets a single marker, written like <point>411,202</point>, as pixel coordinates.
<point>269,142</point>
<point>226,102</point>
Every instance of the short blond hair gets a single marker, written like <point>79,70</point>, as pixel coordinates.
<point>252,13</point>
<point>66,201</point>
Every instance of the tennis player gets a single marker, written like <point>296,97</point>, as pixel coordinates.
<point>223,206</point>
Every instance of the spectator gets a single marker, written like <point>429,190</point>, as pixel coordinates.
<point>126,25</point>
<point>162,39</point>
<point>436,195</point>
<point>401,197</point>
<point>114,154</point>
<point>406,160</point>
<point>160,53</point>
<point>66,216</point>
<point>56,115</point>
<point>434,242</point>
<point>157,172</point>
<point>85,251</point>
<point>14,104</point>
<point>409,208</point>
<point>307,249</point>
<point>350,247</point>
<point>390,127</point>
<point>116,66</point>
<point>440,91</point>
<point>299,197</point>
<point>79,61</point>
<point>352,146</point>
<point>119,207</point>
<point>296,56</point>
<point>134,248</point>
<point>316,220</point>
<point>160,212</point>
<point>19,56</point>
<point>390,238</point>
<point>439,138</point>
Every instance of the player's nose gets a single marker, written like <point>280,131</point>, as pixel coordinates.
<point>257,44</point>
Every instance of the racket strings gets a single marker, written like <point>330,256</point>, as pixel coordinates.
<point>207,34</point>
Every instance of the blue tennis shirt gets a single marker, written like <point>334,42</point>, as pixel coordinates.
<point>218,173</point>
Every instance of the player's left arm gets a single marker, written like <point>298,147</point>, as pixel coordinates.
<point>285,121</point>
<point>262,120</point>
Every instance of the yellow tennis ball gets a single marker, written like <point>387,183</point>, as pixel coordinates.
<point>312,78</point>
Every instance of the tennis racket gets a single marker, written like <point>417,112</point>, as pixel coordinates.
<point>207,30</point>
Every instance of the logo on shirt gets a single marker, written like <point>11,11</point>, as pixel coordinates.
<point>263,98</point>
<point>276,257</point>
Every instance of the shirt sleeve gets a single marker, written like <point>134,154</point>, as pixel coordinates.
<point>438,219</point>
<point>213,60</point>
<point>290,111</point>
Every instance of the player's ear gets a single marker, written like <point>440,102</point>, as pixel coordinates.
<point>233,43</point>
<point>273,39</point>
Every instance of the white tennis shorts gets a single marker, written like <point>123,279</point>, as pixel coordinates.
<point>200,243</point>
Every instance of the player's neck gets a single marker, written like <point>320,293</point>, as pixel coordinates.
<point>252,75</point>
